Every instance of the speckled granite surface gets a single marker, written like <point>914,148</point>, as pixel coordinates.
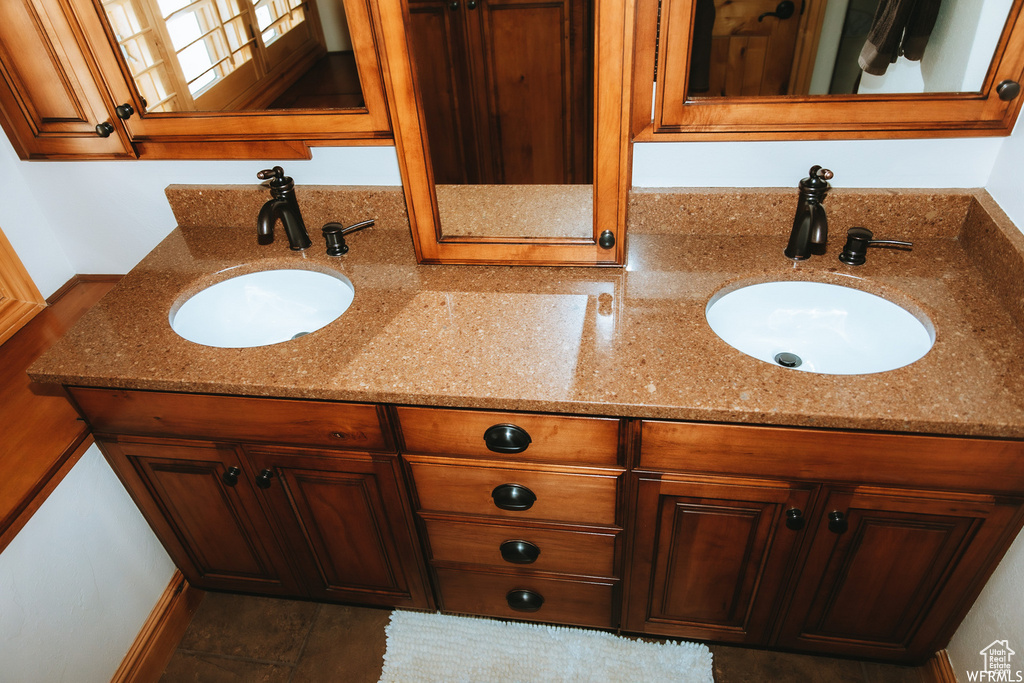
<point>629,342</point>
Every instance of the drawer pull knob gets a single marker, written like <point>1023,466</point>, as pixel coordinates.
<point>263,478</point>
<point>522,600</point>
<point>519,552</point>
<point>231,476</point>
<point>506,438</point>
<point>513,497</point>
<point>794,519</point>
<point>837,523</point>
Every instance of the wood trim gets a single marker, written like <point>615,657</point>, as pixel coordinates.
<point>938,669</point>
<point>34,499</point>
<point>77,280</point>
<point>159,637</point>
<point>933,115</point>
<point>20,299</point>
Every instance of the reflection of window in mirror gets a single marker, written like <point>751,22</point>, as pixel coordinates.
<point>842,47</point>
<point>232,55</point>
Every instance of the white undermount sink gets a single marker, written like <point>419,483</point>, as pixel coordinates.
<point>262,308</point>
<point>818,327</point>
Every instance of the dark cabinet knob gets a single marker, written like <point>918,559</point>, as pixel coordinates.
<point>453,6</point>
<point>104,129</point>
<point>794,519</point>
<point>231,476</point>
<point>513,497</point>
<point>784,10</point>
<point>506,438</point>
<point>1008,90</point>
<point>837,523</point>
<point>519,552</point>
<point>124,111</point>
<point>471,4</point>
<point>522,600</point>
<point>606,240</point>
<point>263,478</point>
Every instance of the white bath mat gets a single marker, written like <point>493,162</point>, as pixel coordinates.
<point>437,648</point>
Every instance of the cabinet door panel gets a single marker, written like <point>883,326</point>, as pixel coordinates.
<point>50,99</point>
<point>216,532</point>
<point>346,521</point>
<point>710,557</point>
<point>885,585</point>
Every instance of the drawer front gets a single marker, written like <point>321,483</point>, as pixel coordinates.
<point>564,602</point>
<point>525,547</point>
<point>558,496</point>
<point>954,463</point>
<point>556,439</point>
<point>356,426</point>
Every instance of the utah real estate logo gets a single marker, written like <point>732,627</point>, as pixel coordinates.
<point>997,664</point>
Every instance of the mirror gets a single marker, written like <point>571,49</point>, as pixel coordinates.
<point>506,92</point>
<point>238,79</point>
<point>535,151</point>
<point>842,47</point>
<point>965,83</point>
<point>236,55</point>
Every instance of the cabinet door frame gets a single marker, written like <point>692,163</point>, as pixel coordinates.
<point>378,479</point>
<point>132,459</point>
<point>51,97</point>
<point>285,134</point>
<point>979,530</point>
<point>768,554</point>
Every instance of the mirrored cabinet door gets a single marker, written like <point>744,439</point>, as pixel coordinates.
<point>813,69</point>
<point>256,77</point>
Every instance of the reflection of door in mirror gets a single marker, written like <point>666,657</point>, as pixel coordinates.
<point>506,89</point>
<point>235,55</point>
<point>507,98</point>
<point>764,47</point>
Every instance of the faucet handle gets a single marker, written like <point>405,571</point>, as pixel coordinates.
<point>857,242</point>
<point>819,172</point>
<point>276,173</point>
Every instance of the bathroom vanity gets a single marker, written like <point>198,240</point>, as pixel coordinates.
<point>575,445</point>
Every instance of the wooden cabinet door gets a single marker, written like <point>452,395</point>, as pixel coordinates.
<point>198,498</point>
<point>890,573</point>
<point>346,520</point>
<point>712,555</point>
<point>50,97</point>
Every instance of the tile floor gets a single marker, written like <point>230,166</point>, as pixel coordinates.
<point>244,639</point>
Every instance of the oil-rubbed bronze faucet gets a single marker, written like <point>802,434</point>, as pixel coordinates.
<point>284,207</point>
<point>810,225</point>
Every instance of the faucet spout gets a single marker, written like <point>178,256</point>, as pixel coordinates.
<point>810,224</point>
<point>283,207</point>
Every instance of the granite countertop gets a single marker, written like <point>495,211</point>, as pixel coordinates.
<point>598,341</point>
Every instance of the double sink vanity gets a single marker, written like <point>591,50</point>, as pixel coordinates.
<point>576,445</point>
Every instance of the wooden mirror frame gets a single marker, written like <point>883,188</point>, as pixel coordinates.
<point>614,24</point>
<point>927,115</point>
<point>263,134</point>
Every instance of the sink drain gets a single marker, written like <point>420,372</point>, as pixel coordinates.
<point>788,360</point>
<point>303,334</point>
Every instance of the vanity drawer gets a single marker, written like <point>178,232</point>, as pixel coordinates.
<point>552,438</point>
<point>355,426</point>
<point>575,497</point>
<point>590,553</point>
<point>567,602</point>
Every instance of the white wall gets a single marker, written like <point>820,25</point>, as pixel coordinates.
<point>78,582</point>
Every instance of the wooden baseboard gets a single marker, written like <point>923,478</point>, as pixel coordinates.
<point>77,280</point>
<point>148,656</point>
<point>939,668</point>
